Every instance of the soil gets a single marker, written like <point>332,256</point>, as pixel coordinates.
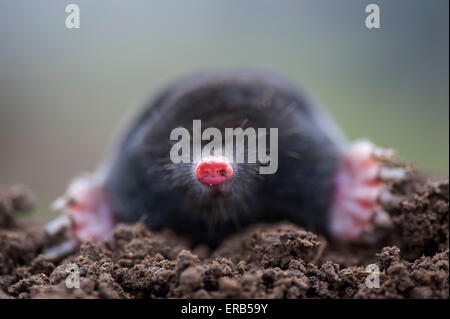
<point>265,261</point>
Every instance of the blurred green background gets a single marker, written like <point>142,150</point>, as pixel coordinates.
<point>63,92</point>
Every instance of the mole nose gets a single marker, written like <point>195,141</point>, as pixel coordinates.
<point>213,170</point>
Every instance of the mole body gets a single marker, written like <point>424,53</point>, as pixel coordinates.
<point>322,182</point>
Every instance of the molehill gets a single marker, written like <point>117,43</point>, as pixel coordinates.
<point>265,261</point>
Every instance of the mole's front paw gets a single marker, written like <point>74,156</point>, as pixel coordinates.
<point>86,214</point>
<point>360,189</point>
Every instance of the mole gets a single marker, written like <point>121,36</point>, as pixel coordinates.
<point>323,182</point>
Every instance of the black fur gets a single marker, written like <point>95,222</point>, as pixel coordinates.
<point>144,184</point>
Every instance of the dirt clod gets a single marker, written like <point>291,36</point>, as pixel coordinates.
<point>264,261</point>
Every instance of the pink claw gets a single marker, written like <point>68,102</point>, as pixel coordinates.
<point>86,212</point>
<point>359,189</point>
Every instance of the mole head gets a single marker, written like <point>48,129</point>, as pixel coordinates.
<point>213,170</point>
